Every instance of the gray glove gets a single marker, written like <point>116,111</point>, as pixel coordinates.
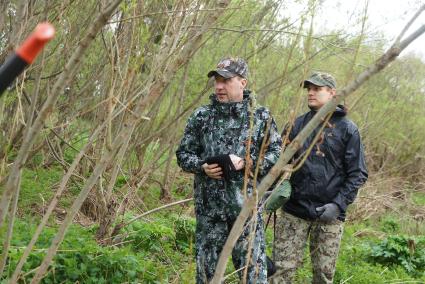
<point>328,212</point>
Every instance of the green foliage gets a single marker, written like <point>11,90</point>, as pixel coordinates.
<point>149,236</point>
<point>390,225</point>
<point>392,109</point>
<point>81,259</point>
<point>360,271</point>
<point>161,251</point>
<point>353,266</point>
<point>398,223</point>
<point>166,233</point>
<point>406,251</point>
<point>185,232</point>
<point>167,241</point>
<point>37,187</point>
<point>78,141</point>
<point>419,198</point>
<point>354,263</point>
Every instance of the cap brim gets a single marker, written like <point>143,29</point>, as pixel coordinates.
<point>223,73</point>
<point>314,82</point>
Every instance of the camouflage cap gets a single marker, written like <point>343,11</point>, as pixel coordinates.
<point>320,79</point>
<point>230,67</point>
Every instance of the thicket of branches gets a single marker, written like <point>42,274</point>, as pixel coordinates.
<point>108,98</point>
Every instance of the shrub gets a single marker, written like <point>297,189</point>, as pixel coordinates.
<point>149,236</point>
<point>184,228</point>
<point>81,259</point>
<point>408,252</point>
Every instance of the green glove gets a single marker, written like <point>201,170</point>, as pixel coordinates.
<point>279,196</point>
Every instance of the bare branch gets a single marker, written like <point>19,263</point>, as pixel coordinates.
<point>400,36</point>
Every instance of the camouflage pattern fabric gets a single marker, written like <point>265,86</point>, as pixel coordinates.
<point>211,236</point>
<point>230,67</point>
<point>321,79</point>
<point>291,238</point>
<point>223,128</point>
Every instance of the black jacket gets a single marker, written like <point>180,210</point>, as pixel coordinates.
<point>334,170</point>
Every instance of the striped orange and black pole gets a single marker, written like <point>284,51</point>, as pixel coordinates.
<point>25,54</point>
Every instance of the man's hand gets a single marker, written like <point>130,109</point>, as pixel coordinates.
<point>213,171</point>
<point>238,162</point>
<point>328,212</point>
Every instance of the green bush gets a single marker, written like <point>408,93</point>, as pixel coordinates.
<point>81,259</point>
<point>149,236</point>
<point>390,225</point>
<point>408,252</point>
<point>353,267</point>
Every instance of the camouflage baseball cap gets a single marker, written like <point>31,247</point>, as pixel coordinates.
<point>321,79</point>
<point>230,67</point>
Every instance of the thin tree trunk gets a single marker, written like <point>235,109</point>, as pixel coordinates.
<point>167,62</point>
<point>91,182</point>
<point>8,238</point>
<point>52,205</point>
<point>33,131</point>
<point>154,90</point>
<point>166,189</point>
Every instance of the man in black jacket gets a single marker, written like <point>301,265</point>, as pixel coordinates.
<point>322,188</point>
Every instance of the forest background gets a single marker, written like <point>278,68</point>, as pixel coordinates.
<point>88,135</point>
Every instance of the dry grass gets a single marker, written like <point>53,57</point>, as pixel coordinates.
<point>389,196</point>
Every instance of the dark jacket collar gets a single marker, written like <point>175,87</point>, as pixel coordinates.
<point>340,111</point>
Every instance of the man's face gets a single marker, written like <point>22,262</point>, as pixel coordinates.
<point>319,96</point>
<point>229,90</point>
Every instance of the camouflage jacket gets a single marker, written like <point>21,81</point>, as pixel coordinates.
<point>223,128</point>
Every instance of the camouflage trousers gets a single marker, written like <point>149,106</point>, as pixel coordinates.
<point>290,241</point>
<point>211,236</point>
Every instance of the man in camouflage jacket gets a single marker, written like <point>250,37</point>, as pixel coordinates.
<point>223,128</point>
<point>322,188</point>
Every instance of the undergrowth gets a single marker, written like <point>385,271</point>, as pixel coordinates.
<point>160,248</point>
